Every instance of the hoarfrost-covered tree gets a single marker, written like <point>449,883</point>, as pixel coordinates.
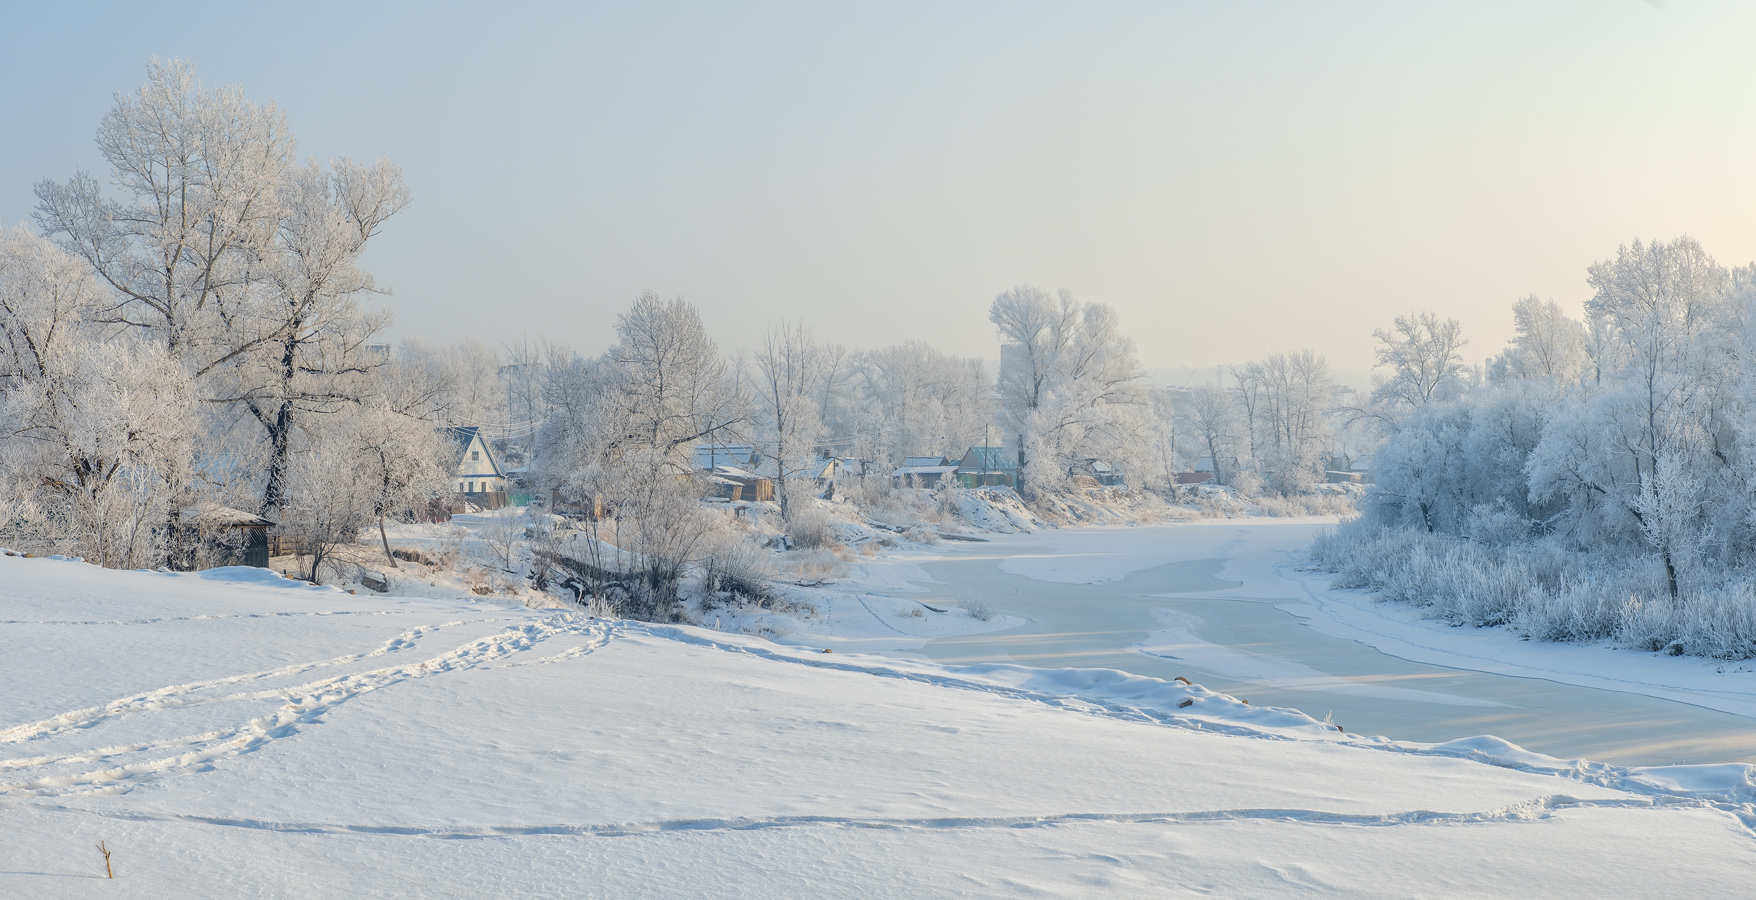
<point>48,302</point>
<point>1069,382</point>
<point>1213,421</point>
<point>1422,354</point>
<point>200,176</point>
<point>243,264</point>
<point>675,388</point>
<point>788,377</point>
<point>103,439</point>
<point>311,357</point>
<point>1289,398</point>
<point>913,400</point>
<point>1626,433</point>
<point>618,439</point>
<point>96,430</point>
<point>1546,344</point>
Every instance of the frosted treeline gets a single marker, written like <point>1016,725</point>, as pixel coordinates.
<point>189,339</point>
<point>1594,482</point>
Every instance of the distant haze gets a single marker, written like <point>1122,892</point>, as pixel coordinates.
<point>1237,179</point>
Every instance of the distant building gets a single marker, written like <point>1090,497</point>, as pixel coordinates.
<point>924,471</point>
<point>987,466</point>
<point>1193,477</point>
<point>709,456</point>
<point>1097,469</point>
<point>479,478</point>
<point>735,484</point>
<point>228,537</point>
<point>1205,464</point>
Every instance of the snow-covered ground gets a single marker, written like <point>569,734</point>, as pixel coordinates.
<point>229,734</point>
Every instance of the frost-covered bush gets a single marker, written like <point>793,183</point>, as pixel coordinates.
<point>1542,589</point>
<point>811,567</point>
<point>978,608</point>
<point>810,527</point>
<point>1315,503</point>
<point>734,566</point>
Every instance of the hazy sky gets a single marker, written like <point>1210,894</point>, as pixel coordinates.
<point>1236,178</point>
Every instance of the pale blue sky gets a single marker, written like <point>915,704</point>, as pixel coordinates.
<point>1236,178</point>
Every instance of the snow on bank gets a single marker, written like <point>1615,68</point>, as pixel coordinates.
<point>1401,630</point>
<point>227,738</point>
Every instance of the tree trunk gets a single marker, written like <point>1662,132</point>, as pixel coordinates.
<point>386,539</point>
<point>279,442</point>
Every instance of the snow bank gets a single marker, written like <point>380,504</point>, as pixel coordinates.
<point>226,737</point>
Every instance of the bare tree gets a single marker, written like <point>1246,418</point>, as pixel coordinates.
<point>1213,419</point>
<point>788,376</point>
<point>1423,356</point>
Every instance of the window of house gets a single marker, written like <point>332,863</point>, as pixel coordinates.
<point>475,454</point>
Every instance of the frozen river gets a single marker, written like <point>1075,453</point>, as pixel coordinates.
<point>1224,603</point>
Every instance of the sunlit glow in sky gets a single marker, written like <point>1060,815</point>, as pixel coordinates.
<point>1237,179</point>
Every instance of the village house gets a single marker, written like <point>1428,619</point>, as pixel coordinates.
<point>479,479</point>
<point>923,471</point>
<point>987,467</point>
<point>707,457</point>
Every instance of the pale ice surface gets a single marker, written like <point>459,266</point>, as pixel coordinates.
<point>226,737</point>
<point>1233,604</point>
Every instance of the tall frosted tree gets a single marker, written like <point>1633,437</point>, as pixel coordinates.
<point>241,263</point>
<point>1070,386</point>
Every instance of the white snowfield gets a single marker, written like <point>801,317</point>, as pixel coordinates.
<point>232,734</point>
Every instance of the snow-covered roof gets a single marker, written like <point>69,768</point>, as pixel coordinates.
<point>988,459</point>
<point>918,461</point>
<point>707,456</point>
<point>923,470</point>
<point>1205,463</point>
<point>465,435</point>
<point>213,515</point>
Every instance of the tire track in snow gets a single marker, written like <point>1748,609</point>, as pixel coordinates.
<point>305,705</point>
<point>1531,810</point>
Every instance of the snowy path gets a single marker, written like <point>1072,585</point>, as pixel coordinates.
<point>451,748</point>
<point>1226,604</point>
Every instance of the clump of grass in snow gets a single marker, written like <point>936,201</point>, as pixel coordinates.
<point>978,608</point>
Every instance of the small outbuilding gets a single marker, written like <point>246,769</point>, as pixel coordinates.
<point>1102,472</point>
<point>227,536</point>
<point>733,483</point>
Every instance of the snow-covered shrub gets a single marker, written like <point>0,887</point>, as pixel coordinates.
<point>1247,483</point>
<point>1311,503</point>
<point>978,608</point>
<point>810,527</point>
<point>811,567</point>
<point>734,566</point>
<point>1542,590</point>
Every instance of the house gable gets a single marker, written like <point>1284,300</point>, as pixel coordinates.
<point>477,468</point>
